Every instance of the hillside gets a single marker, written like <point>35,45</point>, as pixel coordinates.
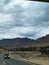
<point>21,42</point>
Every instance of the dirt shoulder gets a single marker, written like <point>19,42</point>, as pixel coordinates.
<point>36,60</point>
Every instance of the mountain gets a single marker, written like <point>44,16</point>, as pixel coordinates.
<point>43,41</point>
<point>16,42</point>
<point>22,42</point>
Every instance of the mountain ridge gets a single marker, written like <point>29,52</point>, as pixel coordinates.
<point>22,42</point>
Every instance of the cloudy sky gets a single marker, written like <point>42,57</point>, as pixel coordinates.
<point>23,19</point>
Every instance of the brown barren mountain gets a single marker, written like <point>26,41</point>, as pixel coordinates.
<point>22,42</point>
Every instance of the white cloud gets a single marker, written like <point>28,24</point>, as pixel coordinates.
<point>23,19</point>
<point>5,18</point>
<point>12,3</point>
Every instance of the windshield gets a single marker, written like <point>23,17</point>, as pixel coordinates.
<point>24,32</point>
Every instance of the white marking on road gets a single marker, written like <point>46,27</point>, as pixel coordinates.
<point>4,62</point>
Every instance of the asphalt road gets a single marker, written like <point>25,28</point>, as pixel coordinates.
<point>15,62</point>
<point>11,61</point>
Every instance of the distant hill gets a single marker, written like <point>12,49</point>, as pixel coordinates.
<point>22,42</point>
<point>16,42</point>
<point>43,41</point>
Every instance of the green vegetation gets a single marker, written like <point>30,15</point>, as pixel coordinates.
<point>24,49</point>
<point>42,50</point>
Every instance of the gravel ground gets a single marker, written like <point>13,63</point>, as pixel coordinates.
<point>31,58</point>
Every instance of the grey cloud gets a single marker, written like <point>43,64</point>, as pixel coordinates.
<point>42,20</point>
<point>32,35</point>
<point>17,15</point>
<point>7,1</point>
<point>25,17</point>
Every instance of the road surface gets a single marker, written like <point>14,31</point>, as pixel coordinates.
<point>13,61</point>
